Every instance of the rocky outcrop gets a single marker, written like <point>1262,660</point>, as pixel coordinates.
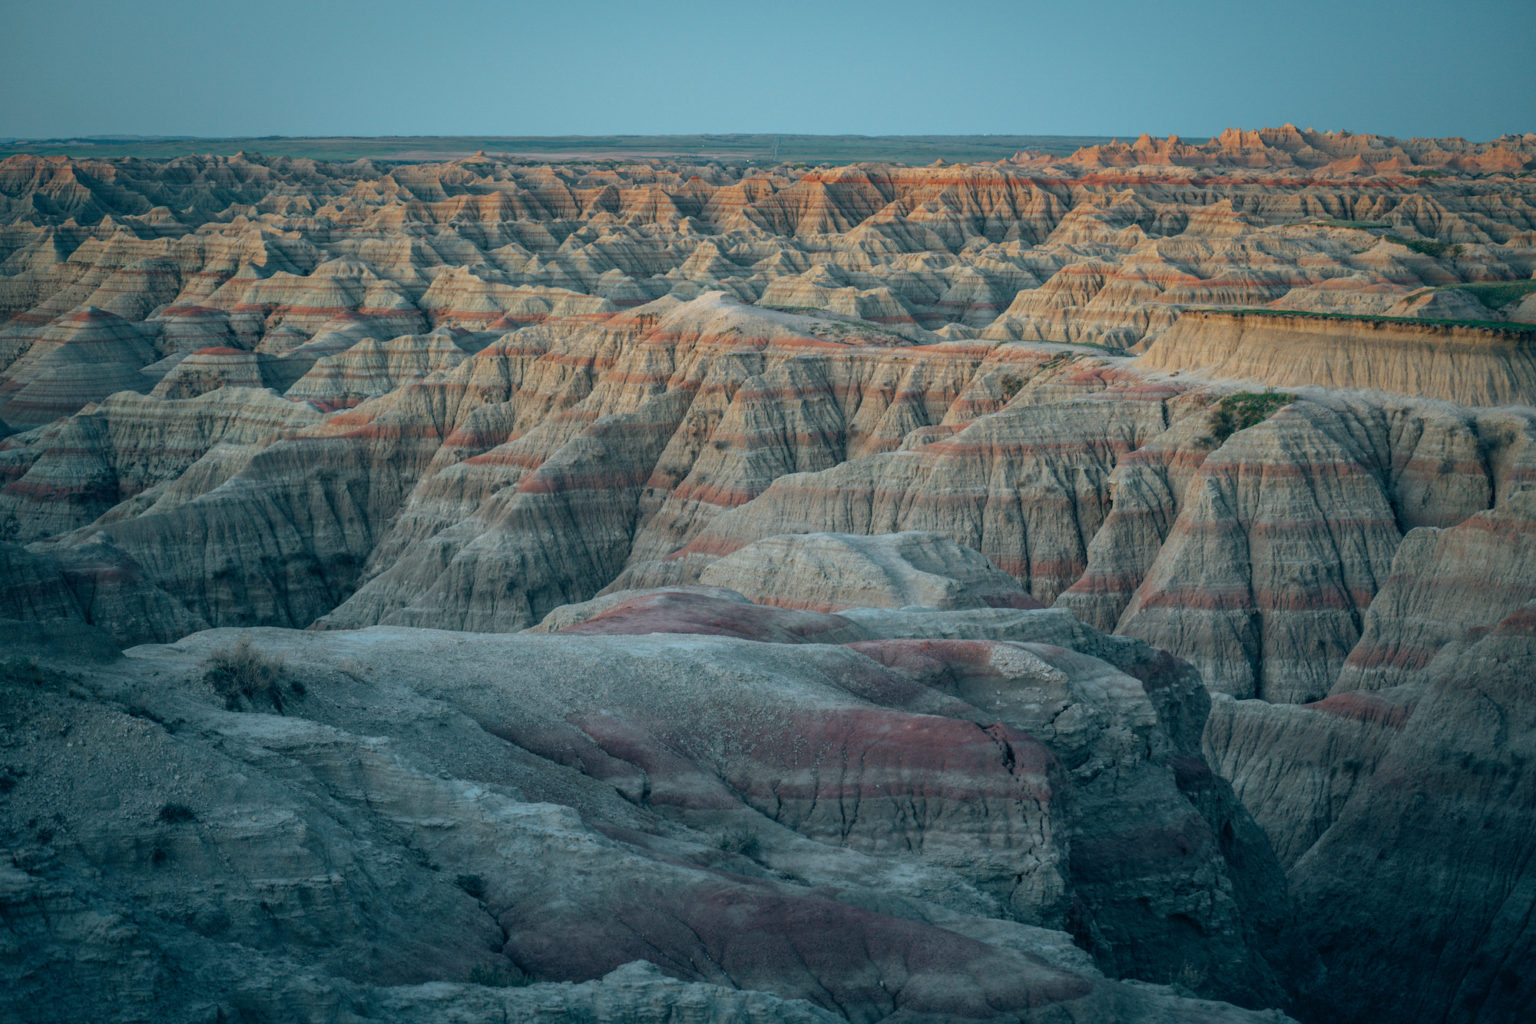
<point>1105,246</point>
<point>773,828</point>
<point>1454,789</point>
<point>1483,570</point>
<point>90,583</point>
<point>1006,485</point>
<point>371,368</point>
<point>132,450</point>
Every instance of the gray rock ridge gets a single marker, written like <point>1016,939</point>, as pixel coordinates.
<point>417,805</point>
<point>830,572</point>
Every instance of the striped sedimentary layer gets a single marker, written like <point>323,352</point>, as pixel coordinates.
<point>491,487</point>
<point>1107,246</point>
<point>1467,365</point>
<point>467,395</point>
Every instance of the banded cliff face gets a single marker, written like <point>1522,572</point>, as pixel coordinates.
<point>1489,365</point>
<point>471,396</point>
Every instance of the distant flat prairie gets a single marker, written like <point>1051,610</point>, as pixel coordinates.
<point>909,149</point>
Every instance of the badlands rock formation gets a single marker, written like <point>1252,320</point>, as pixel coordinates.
<point>1472,365</point>
<point>604,400</point>
<point>759,830</point>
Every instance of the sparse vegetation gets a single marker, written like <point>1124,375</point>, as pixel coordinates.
<point>1508,326</point>
<point>499,976</point>
<point>1427,247</point>
<point>1358,225</point>
<point>743,841</point>
<point>840,324</point>
<point>1245,409</point>
<point>1496,295</point>
<point>242,676</point>
<point>474,885</point>
<point>1011,386</point>
<point>177,814</point>
<point>1114,350</point>
<point>23,671</point>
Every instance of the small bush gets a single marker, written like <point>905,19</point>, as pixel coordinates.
<point>499,976</point>
<point>1011,386</point>
<point>739,840</point>
<point>241,673</point>
<point>1245,409</point>
<point>177,814</point>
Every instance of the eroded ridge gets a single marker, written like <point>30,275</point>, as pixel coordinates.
<point>1263,403</point>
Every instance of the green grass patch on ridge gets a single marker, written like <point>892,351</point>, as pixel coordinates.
<point>1506,326</point>
<point>1358,225</point>
<point>1244,409</point>
<point>1497,294</point>
<point>1428,247</point>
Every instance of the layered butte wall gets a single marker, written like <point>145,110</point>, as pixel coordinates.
<point>1466,364</point>
<point>1122,562</point>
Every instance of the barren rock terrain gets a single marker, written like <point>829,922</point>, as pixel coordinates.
<point>1056,579</point>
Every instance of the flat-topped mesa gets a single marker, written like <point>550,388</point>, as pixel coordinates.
<point>1469,364</point>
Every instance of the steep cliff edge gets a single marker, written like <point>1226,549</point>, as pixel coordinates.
<point>1491,365</point>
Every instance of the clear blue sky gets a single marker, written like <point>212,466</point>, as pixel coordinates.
<point>462,67</point>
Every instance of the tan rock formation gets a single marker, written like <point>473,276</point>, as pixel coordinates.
<point>1469,365</point>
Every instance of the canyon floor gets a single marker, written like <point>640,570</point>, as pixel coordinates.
<point>1078,586</point>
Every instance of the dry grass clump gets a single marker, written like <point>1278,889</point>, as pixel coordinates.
<point>742,840</point>
<point>243,676</point>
